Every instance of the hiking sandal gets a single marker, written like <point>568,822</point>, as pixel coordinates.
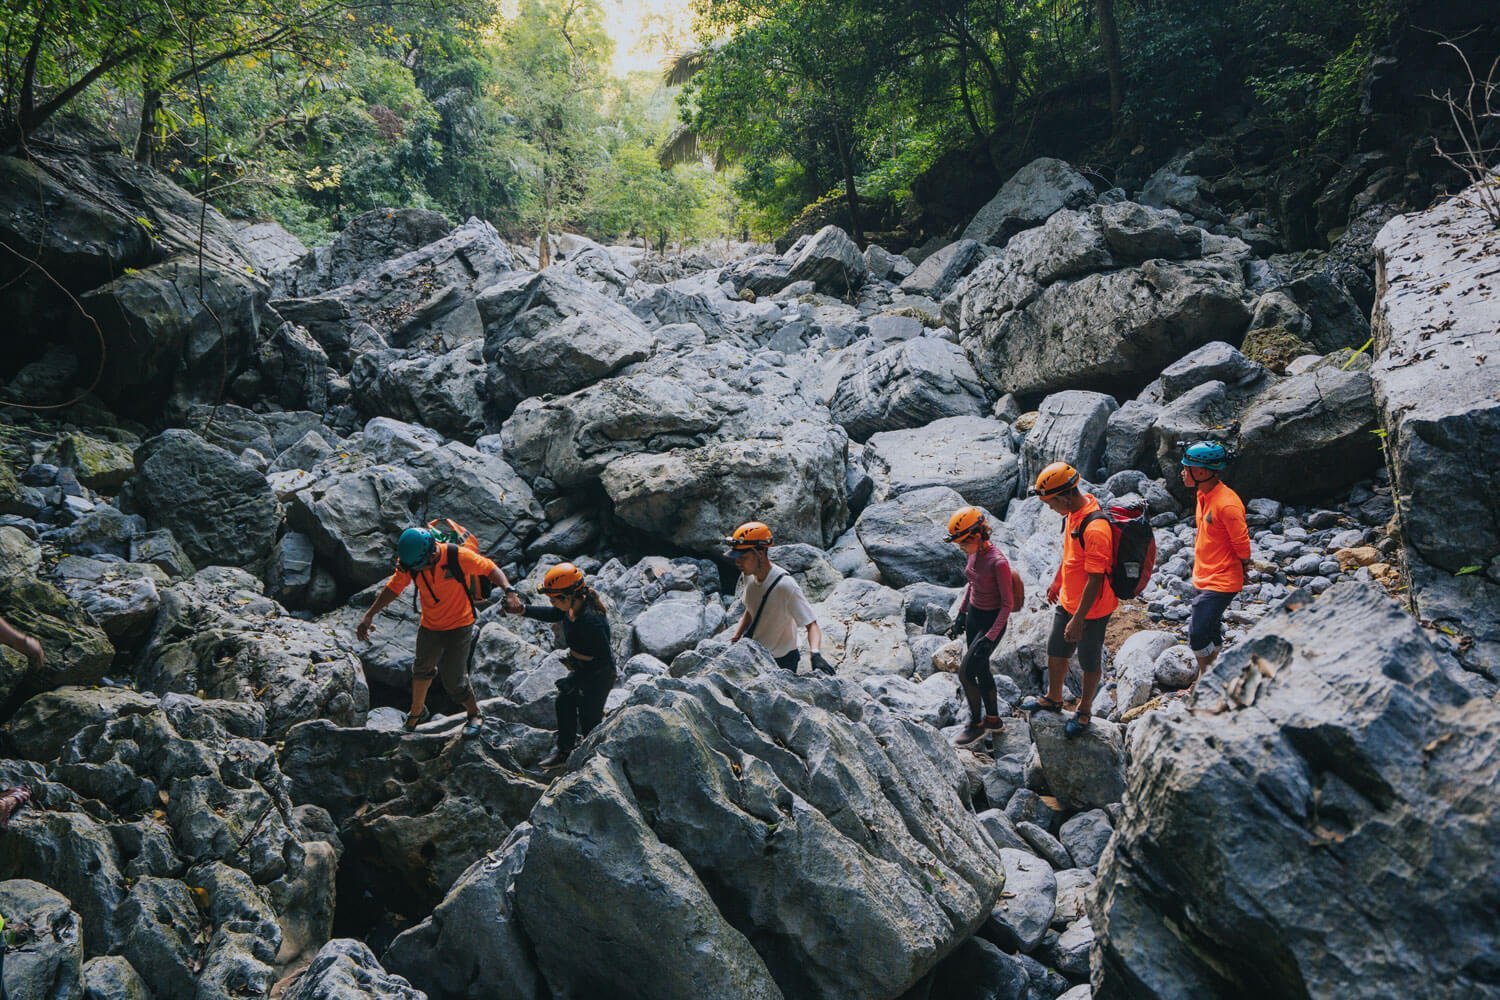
<point>411,724</point>
<point>1040,703</point>
<point>472,727</point>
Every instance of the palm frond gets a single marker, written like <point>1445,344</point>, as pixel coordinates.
<point>683,65</point>
<point>679,147</point>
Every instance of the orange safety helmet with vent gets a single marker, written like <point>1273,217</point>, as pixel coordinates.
<point>750,535</point>
<point>1059,477</point>
<point>967,521</point>
<point>562,579</point>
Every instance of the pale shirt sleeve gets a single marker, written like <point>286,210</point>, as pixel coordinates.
<point>796,603</point>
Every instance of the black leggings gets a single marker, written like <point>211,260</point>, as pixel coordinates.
<point>974,672</point>
<point>580,704</point>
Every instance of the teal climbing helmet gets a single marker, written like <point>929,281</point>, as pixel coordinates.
<point>1206,455</point>
<point>414,548</point>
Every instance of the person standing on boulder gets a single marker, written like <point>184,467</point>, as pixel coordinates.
<point>590,659</point>
<point>446,633</point>
<point>1221,551</point>
<point>775,606</point>
<point>1081,592</point>
<point>26,645</point>
<point>983,613</point>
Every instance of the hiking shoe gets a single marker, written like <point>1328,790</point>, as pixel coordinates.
<point>554,760</point>
<point>1040,703</point>
<point>1073,727</point>
<point>970,735</point>
<point>413,721</point>
<point>471,729</point>
<point>992,724</point>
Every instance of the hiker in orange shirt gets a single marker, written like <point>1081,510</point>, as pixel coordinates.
<point>446,634</point>
<point>1081,592</point>
<point>1221,551</point>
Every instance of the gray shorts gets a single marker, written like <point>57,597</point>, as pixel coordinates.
<point>445,655</point>
<point>1090,647</point>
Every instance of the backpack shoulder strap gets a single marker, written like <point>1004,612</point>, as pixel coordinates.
<point>764,600</point>
<point>1088,519</point>
<point>456,570</point>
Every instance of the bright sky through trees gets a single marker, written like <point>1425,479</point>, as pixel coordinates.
<point>645,31</point>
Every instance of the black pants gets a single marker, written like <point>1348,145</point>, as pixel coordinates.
<point>974,672</point>
<point>580,704</point>
<point>790,661</point>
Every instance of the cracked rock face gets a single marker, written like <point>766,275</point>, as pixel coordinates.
<point>709,831</point>
<point>1326,808</point>
<point>168,827</point>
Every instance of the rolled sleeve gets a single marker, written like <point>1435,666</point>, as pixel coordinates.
<point>1098,539</point>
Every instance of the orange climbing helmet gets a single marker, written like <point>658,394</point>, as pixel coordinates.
<point>1059,477</point>
<point>967,521</point>
<point>562,579</point>
<point>750,535</point>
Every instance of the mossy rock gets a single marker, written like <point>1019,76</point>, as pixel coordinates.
<point>76,649</point>
<point>1275,347</point>
<point>101,465</point>
<point>10,489</point>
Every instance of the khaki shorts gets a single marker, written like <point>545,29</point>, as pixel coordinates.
<point>445,655</point>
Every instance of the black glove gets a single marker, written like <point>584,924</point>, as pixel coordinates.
<point>820,664</point>
<point>960,624</point>
<point>982,649</point>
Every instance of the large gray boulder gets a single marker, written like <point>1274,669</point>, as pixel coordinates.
<point>424,297</point>
<point>936,275</point>
<point>1213,362</point>
<point>1070,427</point>
<point>345,969</point>
<point>169,328</point>
<point>549,333</point>
<point>295,368</point>
<point>1102,330</point>
<point>1032,194</point>
<point>737,807</point>
<point>472,947</point>
<point>217,635</point>
<point>43,943</point>
<point>904,535</point>
<point>1278,429</point>
<point>1363,780</point>
<point>415,811</point>
<point>909,384</point>
<point>831,261</point>
<point>1438,398</point>
<point>221,511</point>
<point>864,631</point>
<point>445,392</point>
<point>363,246</point>
<point>971,455</point>
<point>170,832</point>
<point>684,445</point>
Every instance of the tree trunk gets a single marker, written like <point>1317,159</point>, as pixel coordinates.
<point>145,139</point>
<point>850,194</point>
<point>1109,35</point>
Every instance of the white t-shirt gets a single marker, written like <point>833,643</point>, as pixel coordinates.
<point>787,612</point>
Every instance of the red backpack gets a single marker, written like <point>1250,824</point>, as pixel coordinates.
<point>1132,556</point>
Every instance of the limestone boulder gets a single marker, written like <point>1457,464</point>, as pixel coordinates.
<point>549,333</point>
<point>667,815</point>
<point>971,455</point>
<point>1362,772</point>
<point>909,384</point>
<point>1027,199</point>
<point>221,511</point>
<point>218,635</point>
